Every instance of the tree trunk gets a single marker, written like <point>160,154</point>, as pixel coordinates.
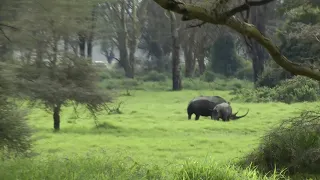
<point>134,37</point>
<point>200,55</point>
<point>256,51</point>
<point>201,65</point>
<point>176,78</point>
<point>66,44</point>
<point>189,55</point>
<point>123,44</point>
<point>56,117</point>
<point>39,54</point>
<point>89,49</point>
<point>90,38</point>
<point>82,44</point>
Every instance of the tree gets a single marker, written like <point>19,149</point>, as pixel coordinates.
<point>216,12</point>
<point>123,16</point>
<point>223,56</point>
<point>258,17</point>
<point>52,75</point>
<point>69,82</point>
<point>176,77</point>
<point>156,38</point>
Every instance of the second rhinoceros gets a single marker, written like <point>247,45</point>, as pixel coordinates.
<point>224,111</point>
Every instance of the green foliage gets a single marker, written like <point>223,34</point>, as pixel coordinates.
<point>223,59</point>
<point>297,36</point>
<point>293,145</point>
<point>99,166</point>
<point>15,133</point>
<point>96,166</point>
<point>73,79</point>
<point>245,71</point>
<point>298,89</point>
<point>188,84</point>
<point>105,74</point>
<point>271,77</point>
<point>53,85</point>
<point>213,170</point>
<point>208,76</point>
<point>154,76</point>
<point>111,84</point>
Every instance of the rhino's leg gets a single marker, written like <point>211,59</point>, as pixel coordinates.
<point>197,117</point>
<point>189,116</point>
<point>224,116</point>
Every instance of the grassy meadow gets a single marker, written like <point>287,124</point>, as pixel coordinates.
<point>153,131</point>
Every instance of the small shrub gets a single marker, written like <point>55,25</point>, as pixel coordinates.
<point>214,171</point>
<point>262,94</point>
<point>95,166</point>
<point>104,75</point>
<point>271,77</point>
<point>121,84</point>
<point>245,73</point>
<point>293,145</point>
<point>15,133</point>
<point>208,76</point>
<point>297,89</point>
<point>154,76</point>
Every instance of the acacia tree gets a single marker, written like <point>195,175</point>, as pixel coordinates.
<point>53,75</point>
<point>71,81</point>
<point>219,12</point>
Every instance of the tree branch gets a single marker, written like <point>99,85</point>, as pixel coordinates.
<point>214,17</point>
<point>246,6</point>
<point>8,26</point>
<point>197,25</point>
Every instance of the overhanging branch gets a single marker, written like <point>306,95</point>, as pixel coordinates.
<point>249,30</point>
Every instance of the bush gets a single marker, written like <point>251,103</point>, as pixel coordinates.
<point>97,166</point>
<point>154,76</point>
<point>115,84</point>
<point>15,133</point>
<point>214,171</point>
<point>297,89</point>
<point>208,76</point>
<point>263,94</point>
<point>293,145</point>
<point>245,70</point>
<point>272,76</point>
<point>105,73</point>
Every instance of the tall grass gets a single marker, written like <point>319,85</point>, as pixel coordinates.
<point>100,166</point>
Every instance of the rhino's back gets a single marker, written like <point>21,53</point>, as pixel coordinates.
<point>214,99</point>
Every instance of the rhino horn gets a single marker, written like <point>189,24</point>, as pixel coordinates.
<point>234,116</point>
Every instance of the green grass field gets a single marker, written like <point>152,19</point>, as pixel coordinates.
<point>154,130</point>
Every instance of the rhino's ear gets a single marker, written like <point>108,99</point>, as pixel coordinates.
<point>228,103</point>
